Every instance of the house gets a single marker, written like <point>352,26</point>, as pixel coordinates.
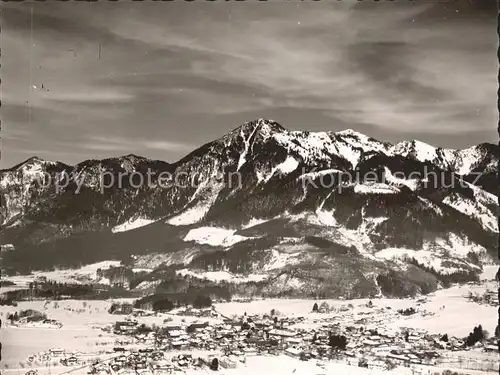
<point>227,363</point>
<point>370,342</point>
<point>491,348</point>
<point>398,358</point>
<point>179,344</point>
<point>124,327</point>
<point>377,365</point>
<point>383,349</point>
<point>172,327</point>
<point>282,333</point>
<point>127,372</point>
<point>196,326</point>
<point>56,352</point>
<point>352,360</point>
<point>175,333</point>
<point>292,341</point>
<point>249,351</point>
<point>163,365</point>
<point>412,357</point>
<point>121,359</point>
<point>420,371</point>
<point>293,352</point>
<point>351,346</point>
<point>71,361</point>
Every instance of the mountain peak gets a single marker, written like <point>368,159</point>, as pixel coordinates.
<point>32,161</point>
<point>353,134</point>
<point>263,125</point>
<point>32,164</point>
<point>349,132</point>
<point>132,158</point>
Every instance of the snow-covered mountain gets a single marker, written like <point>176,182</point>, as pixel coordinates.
<point>463,162</point>
<point>297,200</point>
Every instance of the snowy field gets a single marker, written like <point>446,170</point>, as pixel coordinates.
<point>285,365</point>
<point>84,274</point>
<point>80,332</point>
<point>76,334</point>
<point>275,365</point>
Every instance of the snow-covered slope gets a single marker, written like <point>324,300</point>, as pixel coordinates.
<point>462,162</point>
<point>131,224</point>
<point>214,236</point>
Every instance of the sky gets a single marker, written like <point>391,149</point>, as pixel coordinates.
<point>159,79</point>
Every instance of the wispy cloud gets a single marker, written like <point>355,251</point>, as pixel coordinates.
<point>113,143</point>
<point>100,97</point>
<point>159,78</point>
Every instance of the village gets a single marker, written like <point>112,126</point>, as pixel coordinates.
<point>126,335</point>
<point>327,334</point>
<point>211,340</point>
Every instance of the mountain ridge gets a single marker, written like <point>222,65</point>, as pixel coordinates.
<point>301,204</point>
<point>255,125</point>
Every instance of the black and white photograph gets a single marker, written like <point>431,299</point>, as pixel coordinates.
<point>278,187</point>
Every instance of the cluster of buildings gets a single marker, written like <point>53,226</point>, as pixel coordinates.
<point>489,297</point>
<point>45,323</point>
<point>377,348</point>
<point>34,321</point>
<point>199,313</point>
<point>58,355</point>
<point>358,338</point>
<point>148,362</point>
